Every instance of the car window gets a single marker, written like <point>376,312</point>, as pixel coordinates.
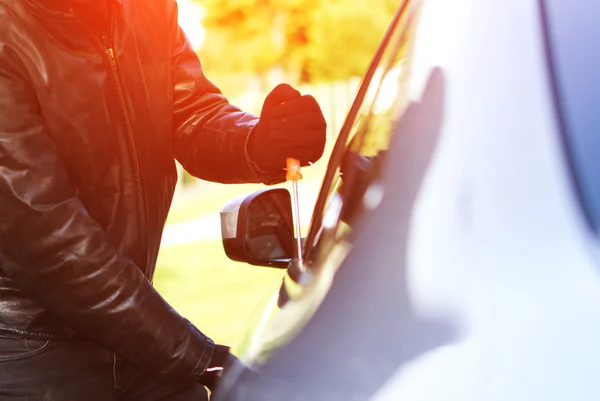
<point>573,42</point>
<point>348,190</point>
<point>352,168</point>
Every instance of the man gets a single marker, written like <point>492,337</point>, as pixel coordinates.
<point>97,100</point>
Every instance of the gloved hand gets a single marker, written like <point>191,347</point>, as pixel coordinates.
<point>220,362</point>
<point>290,125</point>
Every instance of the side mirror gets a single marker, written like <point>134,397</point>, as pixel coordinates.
<point>259,229</point>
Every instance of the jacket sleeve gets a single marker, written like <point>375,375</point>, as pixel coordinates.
<point>210,134</point>
<point>56,253</point>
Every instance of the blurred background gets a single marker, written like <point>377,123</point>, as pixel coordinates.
<point>247,47</point>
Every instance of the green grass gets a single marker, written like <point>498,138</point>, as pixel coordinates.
<point>216,294</point>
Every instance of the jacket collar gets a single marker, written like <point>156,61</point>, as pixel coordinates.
<point>58,10</point>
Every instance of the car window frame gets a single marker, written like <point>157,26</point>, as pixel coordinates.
<point>341,144</point>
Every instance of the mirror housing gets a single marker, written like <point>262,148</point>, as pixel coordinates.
<point>258,228</point>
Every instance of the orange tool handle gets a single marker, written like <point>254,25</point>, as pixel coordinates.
<point>293,169</point>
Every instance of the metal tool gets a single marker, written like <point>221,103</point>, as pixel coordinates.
<point>293,174</point>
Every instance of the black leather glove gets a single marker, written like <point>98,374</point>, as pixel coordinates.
<point>220,362</point>
<point>290,125</point>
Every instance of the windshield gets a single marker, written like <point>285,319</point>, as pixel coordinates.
<point>574,40</point>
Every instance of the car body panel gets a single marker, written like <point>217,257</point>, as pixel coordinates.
<point>514,259</point>
<point>476,276</point>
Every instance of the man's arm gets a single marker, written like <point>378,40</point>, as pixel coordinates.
<point>57,254</point>
<point>210,135</point>
<point>216,141</point>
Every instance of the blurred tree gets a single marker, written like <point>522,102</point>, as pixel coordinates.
<point>306,40</point>
<point>343,36</point>
<point>240,37</point>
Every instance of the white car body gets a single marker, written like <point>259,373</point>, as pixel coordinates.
<point>499,239</point>
<point>493,248</point>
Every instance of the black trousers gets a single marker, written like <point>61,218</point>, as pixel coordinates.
<point>32,370</point>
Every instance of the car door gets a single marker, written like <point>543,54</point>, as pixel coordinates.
<point>349,189</point>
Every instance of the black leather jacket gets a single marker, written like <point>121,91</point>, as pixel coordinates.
<point>90,127</point>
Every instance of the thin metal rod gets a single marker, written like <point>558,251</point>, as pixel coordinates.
<point>297,223</point>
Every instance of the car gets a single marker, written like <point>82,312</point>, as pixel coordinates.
<point>453,249</point>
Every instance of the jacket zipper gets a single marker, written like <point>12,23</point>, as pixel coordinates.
<point>115,67</point>
<point>108,47</point>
